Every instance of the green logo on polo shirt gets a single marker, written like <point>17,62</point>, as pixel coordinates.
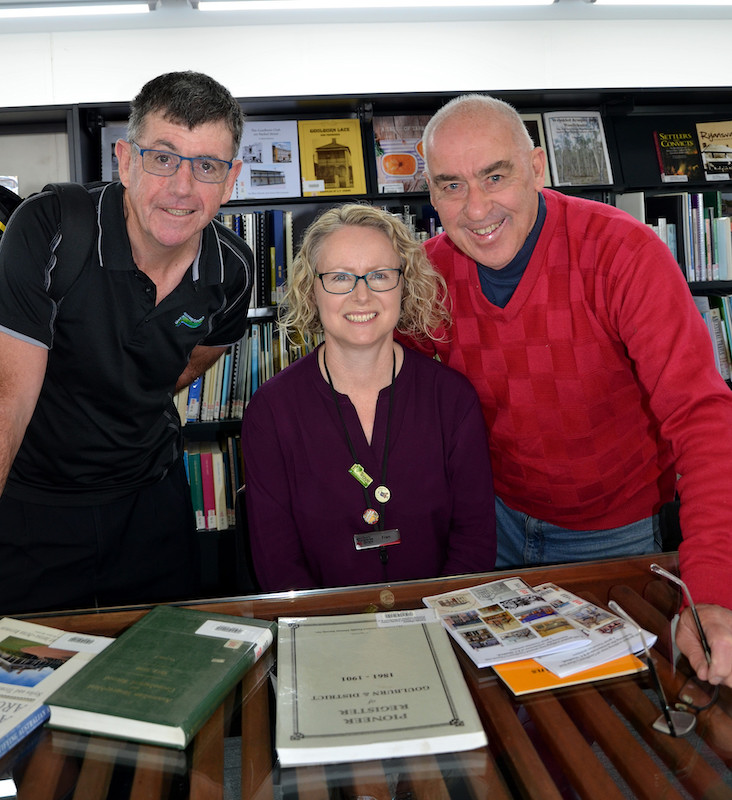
<point>187,320</point>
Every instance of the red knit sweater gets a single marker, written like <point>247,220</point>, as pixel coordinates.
<point>598,384</point>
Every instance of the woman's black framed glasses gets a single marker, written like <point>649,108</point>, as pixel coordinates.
<point>378,280</point>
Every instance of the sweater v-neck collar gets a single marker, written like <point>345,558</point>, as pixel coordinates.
<point>531,272</point>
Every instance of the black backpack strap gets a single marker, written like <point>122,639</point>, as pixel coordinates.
<point>78,234</point>
<point>9,201</point>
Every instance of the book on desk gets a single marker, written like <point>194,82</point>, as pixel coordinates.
<point>360,687</point>
<point>36,660</point>
<point>163,677</point>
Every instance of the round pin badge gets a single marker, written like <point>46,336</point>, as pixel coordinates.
<point>370,516</point>
<point>382,494</point>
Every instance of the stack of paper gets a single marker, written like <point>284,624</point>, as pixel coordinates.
<point>538,637</point>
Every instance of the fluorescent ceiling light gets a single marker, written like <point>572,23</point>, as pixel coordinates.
<point>21,10</point>
<point>306,5</point>
<point>661,2</point>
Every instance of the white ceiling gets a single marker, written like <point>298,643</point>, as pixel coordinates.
<point>178,13</point>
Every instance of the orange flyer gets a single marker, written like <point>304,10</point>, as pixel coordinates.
<point>527,675</point>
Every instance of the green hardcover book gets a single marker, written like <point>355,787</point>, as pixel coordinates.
<point>162,678</point>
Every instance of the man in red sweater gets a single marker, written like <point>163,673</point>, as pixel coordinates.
<point>594,368</point>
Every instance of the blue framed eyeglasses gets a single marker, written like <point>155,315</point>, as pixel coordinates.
<point>165,164</point>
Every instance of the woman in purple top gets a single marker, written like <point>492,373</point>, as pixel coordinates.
<point>365,461</point>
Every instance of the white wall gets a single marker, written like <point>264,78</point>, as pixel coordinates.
<point>264,60</point>
<point>35,160</point>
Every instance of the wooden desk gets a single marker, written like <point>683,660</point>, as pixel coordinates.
<point>593,741</point>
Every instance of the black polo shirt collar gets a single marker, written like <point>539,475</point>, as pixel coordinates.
<point>115,252</point>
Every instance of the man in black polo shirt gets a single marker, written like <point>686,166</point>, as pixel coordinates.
<point>95,507</point>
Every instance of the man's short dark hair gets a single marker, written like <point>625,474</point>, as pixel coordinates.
<point>186,98</point>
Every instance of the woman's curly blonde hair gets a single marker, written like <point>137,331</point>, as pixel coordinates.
<point>424,313</point>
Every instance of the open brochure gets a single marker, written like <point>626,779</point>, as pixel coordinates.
<point>504,620</point>
<point>508,620</point>
<point>610,637</point>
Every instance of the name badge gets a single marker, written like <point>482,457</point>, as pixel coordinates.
<point>368,541</point>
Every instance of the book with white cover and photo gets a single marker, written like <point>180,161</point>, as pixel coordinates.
<point>34,661</point>
<point>359,687</point>
<point>270,158</point>
<point>577,147</point>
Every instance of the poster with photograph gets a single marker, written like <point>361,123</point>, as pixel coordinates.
<point>715,143</point>
<point>331,157</point>
<point>577,148</point>
<point>270,160</point>
<point>399,153</point>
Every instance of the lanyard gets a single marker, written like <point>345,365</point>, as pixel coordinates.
<point>385,458</point>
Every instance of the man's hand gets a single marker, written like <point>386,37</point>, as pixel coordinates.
<point>717,624</point>
<point>201,359</point>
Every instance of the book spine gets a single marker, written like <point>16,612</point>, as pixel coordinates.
<point>196,483</point>
<point>219,481</point>
<point>700,249</point>
<point>720,344</point>
<point>659,155</point>
<point>229,486</point>
<point>194,400</point>
<point>225,394</point>
<point>254,350</point>
<point>207,483</point>
<point>218,388</point>
<point>24,728</point>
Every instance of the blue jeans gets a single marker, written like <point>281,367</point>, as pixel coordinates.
<point>526,541</point>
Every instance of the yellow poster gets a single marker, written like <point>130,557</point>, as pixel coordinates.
<point>331,157</point>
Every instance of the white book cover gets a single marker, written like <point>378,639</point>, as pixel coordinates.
<point>577,148</point>
<point>35,660</point>
<point>715,144</point>
<point>271,160</point>
<point>359,687</point>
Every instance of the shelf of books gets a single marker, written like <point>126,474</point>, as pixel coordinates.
<point>211,410</point>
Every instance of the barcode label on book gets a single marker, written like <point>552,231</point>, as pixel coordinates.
<point>239,633</point>
<point>79,643</point>
<point>415,617</point>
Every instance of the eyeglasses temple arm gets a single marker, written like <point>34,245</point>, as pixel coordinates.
<point>692,607</point>
<point>651,666</point>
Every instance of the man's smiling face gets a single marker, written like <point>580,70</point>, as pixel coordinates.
<point>171,211</point>
<point>484,180</point>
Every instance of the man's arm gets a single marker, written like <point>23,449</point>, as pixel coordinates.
<point>717,624</point>
<point>22,369</point>
<point>201,359</point>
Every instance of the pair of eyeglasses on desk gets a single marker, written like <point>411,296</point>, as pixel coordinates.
<point>680,719</point>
